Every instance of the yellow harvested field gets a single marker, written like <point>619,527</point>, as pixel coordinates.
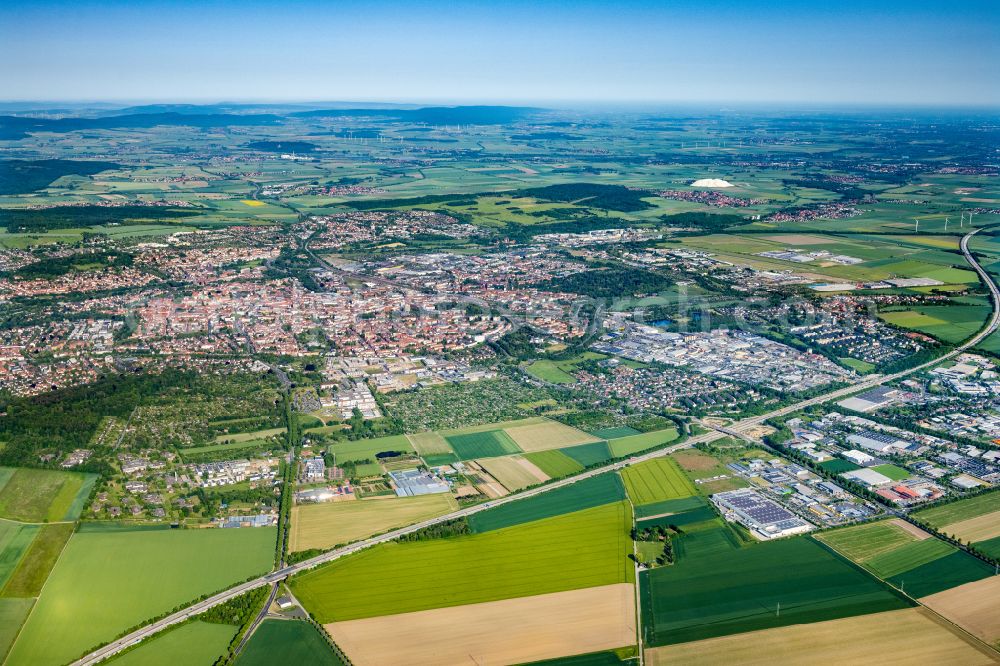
<point>548,435</point>
<point>913,636</point>
<point>514,472</point>
<point>329,524</point>
<point>974,606</point>
<point>429,443</point>
<point>979,528</point>
<point>252,202</point>
<point>512,631</point>
<point>910,528</point>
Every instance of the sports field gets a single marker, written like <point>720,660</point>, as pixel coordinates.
<point>514,472</point>
<point>367,449</point>
<point>908,637</point>
<point>954,512</point>
<point>974,606</point>
<point>486,444</point>
<point>863,542</point>
<point>39,495</point>
<point>894,472</point>
<point>195,643</point>
<point>287,642</point>
<point>626,446</point>
<point>554,463</point>
<point>548,435</point>
<point>429,443</point>
<point>511,631</point>
<point>584,549</point>
<point>328,524</point>
<point>723,590</point>
<point>117,579</point>
<point>656,480</point>
<point>595,491</point>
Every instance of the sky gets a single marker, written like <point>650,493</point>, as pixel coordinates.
<point>851,52</point>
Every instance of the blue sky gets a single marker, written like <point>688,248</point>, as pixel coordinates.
<point>848,52</point>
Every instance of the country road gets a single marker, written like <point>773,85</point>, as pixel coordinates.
<point>269,579</point>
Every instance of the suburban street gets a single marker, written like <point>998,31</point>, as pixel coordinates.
<point>738,427</point>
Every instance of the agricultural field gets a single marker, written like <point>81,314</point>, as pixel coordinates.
<point>595,491</point>
<point>973,606</point>
<point>554,463</point>
<point>861,543</point>
<point>948,323</point>
<point>626,446</point>
<point>716,589</point>
<point>329,524</point>
<point>656,480</point>
<point>287,642</point>
<point>15,541</point>
<point>429,443</point>
<point>510,631</point>
<point>913,637</point>
<point>36,495</point>
<point>486,444</point>
<point>514,472</point>
<point>589,454</point>
<point>105,575</point>
<point>366,449</point>
<point>195,643</point>
<point>905,556</point>
<point>584,549</point>
<point>29,576</point>
<point>548,435</point>
<point>13,613</point>
<point>951,513</point>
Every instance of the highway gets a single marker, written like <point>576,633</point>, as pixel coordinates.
<point>736,428</point>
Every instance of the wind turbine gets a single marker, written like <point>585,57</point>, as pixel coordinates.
<point>916,225</point>
<point>946,224</point>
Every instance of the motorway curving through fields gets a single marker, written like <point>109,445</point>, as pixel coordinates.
<point>270,579</point>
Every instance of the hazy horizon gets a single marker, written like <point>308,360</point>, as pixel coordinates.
<point>744,52</point>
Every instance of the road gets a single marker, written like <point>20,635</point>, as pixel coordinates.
<point>736,429</point>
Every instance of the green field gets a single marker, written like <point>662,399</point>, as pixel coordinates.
<point>909,556</point>
<point>595,491</point>
<point>863,542</point>
<point>194,644</point>
<point>941,574</point>
<point>15,541</point>
<point>488,444</point>
<point>555,463</point>
<point>953,512</point>
<point>670,507</point>
<point>864,367</point>
<point>287,642</point>
<point>235,446</point>
<point>117,579</point>
<point>725,590</point>
<point>839,466</point>
<point>626,446</point>
<point>949,323</point>
<point>656,480</point>
<point>615,433</point>
<point>589,454</point>
<point>367,469</point>
<point>548,371</point>
<point>39,495</point>
<point>990,546</point>
<point>13,612</point>
<point>582,549</point>
<point>28,578</point>
<point>892,471</point>
<point>366,449</point>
